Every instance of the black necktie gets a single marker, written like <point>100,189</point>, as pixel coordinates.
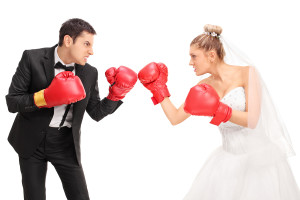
<point>59,65</point>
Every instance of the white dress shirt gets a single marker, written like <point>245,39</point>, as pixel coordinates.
<point>60,110</point>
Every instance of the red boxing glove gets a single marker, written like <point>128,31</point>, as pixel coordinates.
<point>154,77</point>
<point>203,100</point>
<point>65,88</point>
<point>122,81</point>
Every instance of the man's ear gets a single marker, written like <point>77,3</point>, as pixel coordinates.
<point>68,40</point>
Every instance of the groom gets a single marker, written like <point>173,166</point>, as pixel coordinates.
<point>46,129</point>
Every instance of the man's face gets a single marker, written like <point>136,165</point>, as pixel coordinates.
<point>82,48</point>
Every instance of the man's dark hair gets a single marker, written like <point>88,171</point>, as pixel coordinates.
<point>74,27</point>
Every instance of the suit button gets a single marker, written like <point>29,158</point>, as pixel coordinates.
<point>43,132</point>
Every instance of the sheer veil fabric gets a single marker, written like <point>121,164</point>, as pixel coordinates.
<point>263,117</point>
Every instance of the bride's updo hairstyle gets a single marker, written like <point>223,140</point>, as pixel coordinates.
<point>210,40</point>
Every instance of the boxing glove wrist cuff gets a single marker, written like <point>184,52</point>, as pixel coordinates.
<point>159,95</point>
<point>223,114</point>
<point>39,99</point>
<point>113,98</point>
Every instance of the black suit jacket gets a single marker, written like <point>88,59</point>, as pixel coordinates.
<point>34,73</point>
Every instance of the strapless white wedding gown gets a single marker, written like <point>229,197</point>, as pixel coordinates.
<point>245,167</point>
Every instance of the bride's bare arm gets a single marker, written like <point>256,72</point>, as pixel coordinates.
<point>239,117</point>
<point>246,118</point>
<point>174,115</point>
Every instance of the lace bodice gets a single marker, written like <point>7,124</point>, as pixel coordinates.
<point>234,136</point>
<point>237,101</point>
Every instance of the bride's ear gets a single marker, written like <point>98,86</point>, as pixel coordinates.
<point>212,56</point>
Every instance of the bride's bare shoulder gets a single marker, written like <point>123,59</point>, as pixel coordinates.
<point>245,74</point>
<point>241,74</point>
<point>245,70</point>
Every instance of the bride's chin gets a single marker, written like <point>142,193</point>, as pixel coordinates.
<point>198,74</point>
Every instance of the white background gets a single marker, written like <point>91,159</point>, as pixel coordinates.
<point>136,154</point>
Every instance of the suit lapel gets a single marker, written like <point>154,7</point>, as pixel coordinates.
<point>48,64</point>
<point>79,70</point>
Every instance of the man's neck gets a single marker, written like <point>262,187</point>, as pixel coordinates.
<point>63,54</point>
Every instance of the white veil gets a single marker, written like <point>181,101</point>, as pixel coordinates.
<point>262,115</point>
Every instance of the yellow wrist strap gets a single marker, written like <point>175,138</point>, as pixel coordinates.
<point>39,98</point>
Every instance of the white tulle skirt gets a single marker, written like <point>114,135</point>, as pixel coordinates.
<point>262,175</point>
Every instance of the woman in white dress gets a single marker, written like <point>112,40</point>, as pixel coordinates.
<point>252,162</point>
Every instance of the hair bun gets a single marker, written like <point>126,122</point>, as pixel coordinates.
<point>213,28</point>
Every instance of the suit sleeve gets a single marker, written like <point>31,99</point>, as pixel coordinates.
<point>98,109</point>
<point>18,98</point>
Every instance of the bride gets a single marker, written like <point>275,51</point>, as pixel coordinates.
<point>252,162</point>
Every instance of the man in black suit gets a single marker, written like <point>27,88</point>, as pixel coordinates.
<point>45,128</point>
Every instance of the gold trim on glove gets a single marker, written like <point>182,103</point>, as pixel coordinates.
<point>39,98</point>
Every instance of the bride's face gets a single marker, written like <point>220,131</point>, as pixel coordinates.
<point>199,60</point>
